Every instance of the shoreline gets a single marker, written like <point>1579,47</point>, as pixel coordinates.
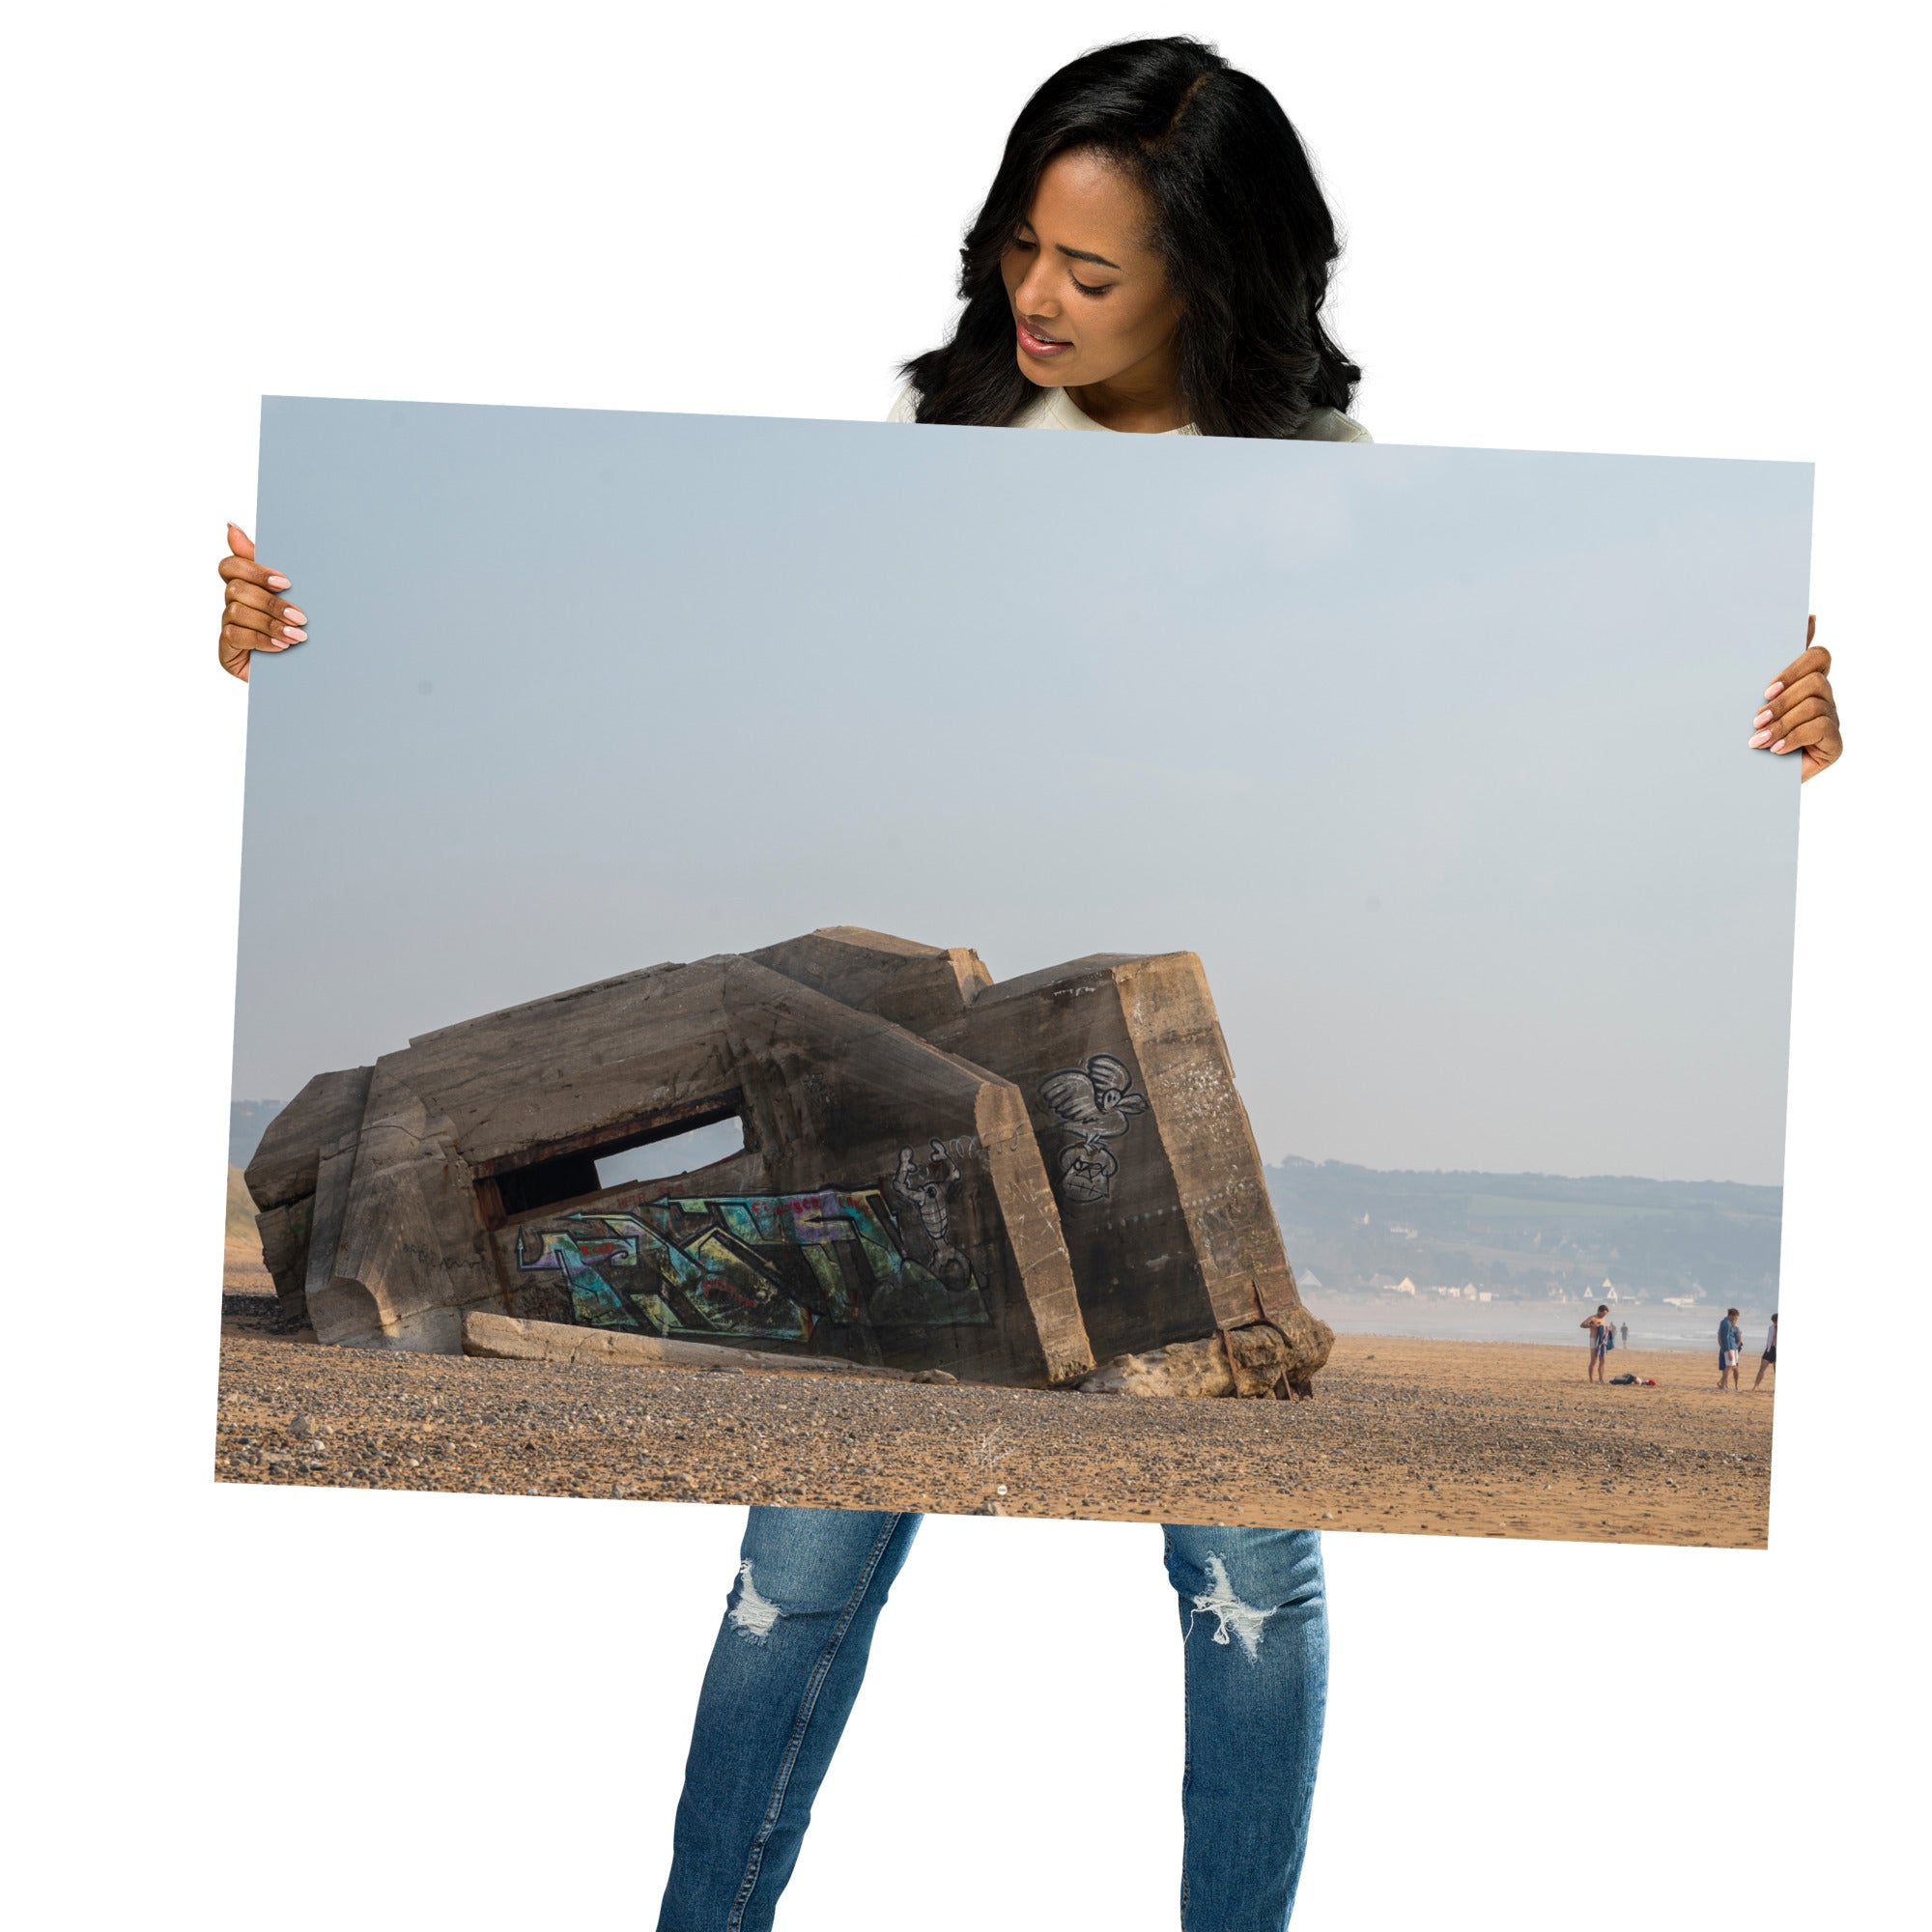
<point>1482,1342</point>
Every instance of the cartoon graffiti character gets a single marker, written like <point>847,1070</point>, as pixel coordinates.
<point>929,1193</point>
<point>1095,1104</point>
<point>1087,1171</point>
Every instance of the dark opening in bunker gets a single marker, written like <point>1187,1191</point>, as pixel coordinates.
<point>692,1139</point>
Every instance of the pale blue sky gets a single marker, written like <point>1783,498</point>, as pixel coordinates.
<point>1436,756</point>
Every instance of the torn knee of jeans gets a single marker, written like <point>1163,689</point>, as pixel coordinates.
<point>1234,1621</point>
<point>752,1616</point>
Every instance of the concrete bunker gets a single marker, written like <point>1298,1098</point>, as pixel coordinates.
<point>1011,1181</point>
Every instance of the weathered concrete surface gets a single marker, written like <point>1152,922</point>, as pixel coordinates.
<point>1162,1199</point>
<point>283,1176</point>
<point>505,1337</point>
<point>1169,1229</point>
<point>918,987</point>
<point>479,1140</point>
<point>284,1166</point>
<point>939,1171</point>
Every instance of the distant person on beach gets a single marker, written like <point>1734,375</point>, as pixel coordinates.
<point>1769,1359</point>
<point>1624,1333</point>
<point>1731,1352</point>
<point>1599,1325</point>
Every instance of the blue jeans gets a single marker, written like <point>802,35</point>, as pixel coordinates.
<point>784,1674</point>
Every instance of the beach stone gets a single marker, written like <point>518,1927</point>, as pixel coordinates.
<point>1248,1362</point>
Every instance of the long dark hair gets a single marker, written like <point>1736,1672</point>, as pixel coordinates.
<point>1242,229</point>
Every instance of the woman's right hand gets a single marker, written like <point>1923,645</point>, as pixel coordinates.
<point>254,616</point>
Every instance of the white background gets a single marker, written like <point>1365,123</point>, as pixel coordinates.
<point>1685,230</point>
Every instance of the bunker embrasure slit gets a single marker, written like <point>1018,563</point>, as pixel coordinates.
<point>642,1150</point>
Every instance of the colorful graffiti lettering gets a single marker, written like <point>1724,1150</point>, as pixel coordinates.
<point>779,1267</point>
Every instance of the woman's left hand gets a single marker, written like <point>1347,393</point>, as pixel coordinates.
<point>1799,712</point>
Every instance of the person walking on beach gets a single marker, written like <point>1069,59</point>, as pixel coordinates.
<point>1623,1334</point>
<point>1599,1325</point>
<point>1769,1359</point>
<point>1731,1352</point>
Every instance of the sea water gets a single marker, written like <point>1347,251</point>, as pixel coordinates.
<point>1438,1319</point>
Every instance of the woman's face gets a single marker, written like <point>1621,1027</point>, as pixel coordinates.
<point>1091,301</point>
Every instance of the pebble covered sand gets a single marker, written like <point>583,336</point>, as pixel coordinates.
<point>1417,1437</point>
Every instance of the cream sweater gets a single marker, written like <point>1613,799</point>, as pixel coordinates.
<point>1055,409</point>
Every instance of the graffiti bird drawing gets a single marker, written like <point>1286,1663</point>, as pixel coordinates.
<point>1095,1104</point>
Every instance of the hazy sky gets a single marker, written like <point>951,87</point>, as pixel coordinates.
<point>1436,756</point>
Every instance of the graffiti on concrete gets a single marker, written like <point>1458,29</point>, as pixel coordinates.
<point>777,1267</point>
<point>1095,1104</point>
<point>928,1189</point>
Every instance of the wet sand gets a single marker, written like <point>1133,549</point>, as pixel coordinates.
<point>1416,1437</point>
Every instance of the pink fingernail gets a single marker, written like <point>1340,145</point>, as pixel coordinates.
<point>294,635</point>
<point>1780,746</point>
<point>1762,738</point>
<point>295,616</point>
<point>279,584</point>
<point>1762,718</point>
<point>1772,689</point>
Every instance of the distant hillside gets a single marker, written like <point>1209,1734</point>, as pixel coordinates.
<point>241,1270</point>
<point>247,1121</point>
<point>1522,1235</point>
<point>241,1222</point>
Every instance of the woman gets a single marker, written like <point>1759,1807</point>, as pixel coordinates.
<point>1152,258</point>
<point>1730,1352</point>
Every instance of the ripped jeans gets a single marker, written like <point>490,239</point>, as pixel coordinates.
<point>791,1652</point>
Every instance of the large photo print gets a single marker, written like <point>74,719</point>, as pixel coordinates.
<point>1172,978</point>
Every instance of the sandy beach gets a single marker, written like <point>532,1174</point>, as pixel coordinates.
<point>1414,1437</point>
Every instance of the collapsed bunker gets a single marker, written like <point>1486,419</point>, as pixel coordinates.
<point>1011,1181</point>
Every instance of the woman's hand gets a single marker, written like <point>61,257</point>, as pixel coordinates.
<point>253,615</point>
<point>1799,714</point>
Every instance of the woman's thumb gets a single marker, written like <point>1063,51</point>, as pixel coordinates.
<point>241,542</point>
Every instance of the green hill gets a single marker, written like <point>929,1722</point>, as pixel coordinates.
<point>1522,1235</point>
